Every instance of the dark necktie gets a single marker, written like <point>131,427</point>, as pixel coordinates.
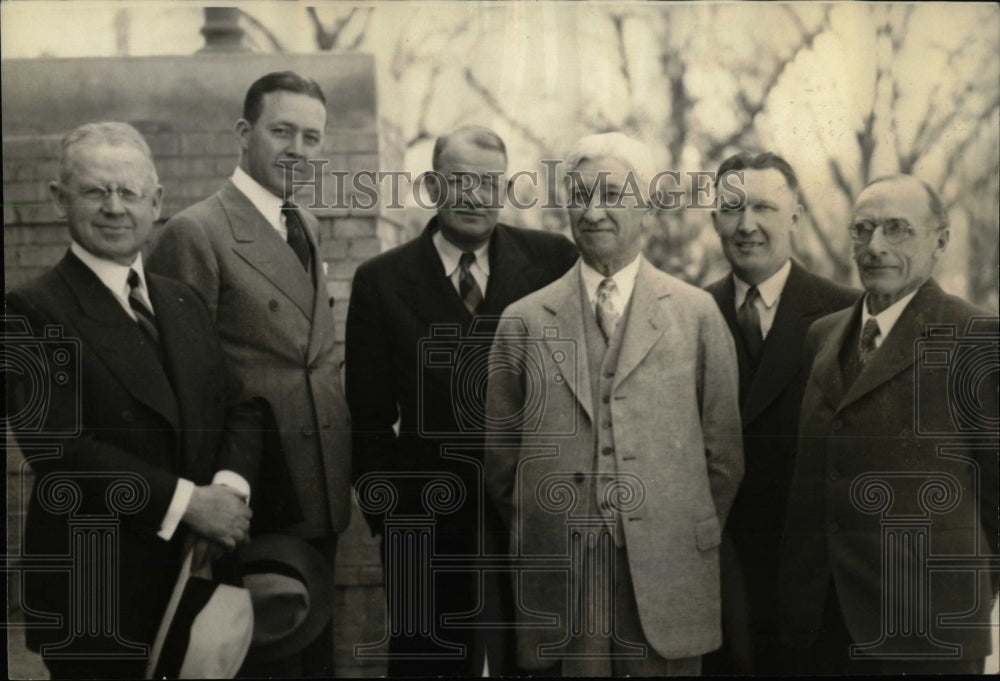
<point>749,321</point>
<point>468,288</point>
<point>143,315</point>
<point>607,314</point>
<point>866,345</point>
<point>296,234</point>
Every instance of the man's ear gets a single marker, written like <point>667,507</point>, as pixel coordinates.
<point>435,189</point>
<point>242,129</point>
<point>797,215</point>
<point>157,199</point>
<point>58,199</point>
<point>942,242</point>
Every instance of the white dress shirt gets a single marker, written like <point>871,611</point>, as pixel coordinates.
<point>115,278</point>
<point>887,318</point>
<point>624,283</point>
<point>450,255</point>
<point>263,200</point>
<point>770,293</point>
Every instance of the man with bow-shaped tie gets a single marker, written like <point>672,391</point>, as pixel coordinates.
<point>896,465</point>
<point>614,446</point>
<point>255,259</point>
<point>141,423</point>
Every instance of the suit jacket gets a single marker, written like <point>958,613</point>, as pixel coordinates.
<point>403,307</point>
<point>885,447</point>
<point>277,331</point>
<point>112,410</point>
<point>770,399</point>
<point>676,429</point>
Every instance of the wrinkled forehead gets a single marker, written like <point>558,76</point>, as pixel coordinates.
<point>900,198</point>
<point>102,161</point>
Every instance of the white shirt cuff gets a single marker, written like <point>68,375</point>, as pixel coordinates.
<point>234,480</point>
<point>178,505</point>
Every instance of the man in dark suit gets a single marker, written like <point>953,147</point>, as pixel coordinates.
<point>140,443</point>
<point>892,516</point>
<point>769,301</point>
<point>461,269</point>
<point>254,257</point>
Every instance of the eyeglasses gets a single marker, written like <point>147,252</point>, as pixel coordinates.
<point>895,230</point>
<point>98,195</point>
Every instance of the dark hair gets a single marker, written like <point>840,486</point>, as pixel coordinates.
<point>934,203</point>
<point>748,161</point>
<point>286,81</point>
<point>484,138</point>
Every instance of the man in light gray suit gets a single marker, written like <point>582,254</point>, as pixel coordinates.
<point>614,449</point>
<point>254,258</point>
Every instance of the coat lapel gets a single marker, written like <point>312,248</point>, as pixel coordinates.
<point>826,370</point>
<point>321,297</point>
<point>797,307</point>
<point>513,275</point>
<point>426,287</point>
<point>262,248</point>
<point>181,349</point>
<point>724,292</point>
<point>896,354</point>
<point>118,341</point>
<point>646,321</point>
<point>565,305</point>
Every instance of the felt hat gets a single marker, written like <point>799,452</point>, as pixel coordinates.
<point>291,588</point>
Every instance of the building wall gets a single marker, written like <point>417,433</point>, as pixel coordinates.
<point>186,107</point>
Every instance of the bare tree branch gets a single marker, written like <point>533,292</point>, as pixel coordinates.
<point>752,108</point>
<point>326,38</point>
<point>493,103</point>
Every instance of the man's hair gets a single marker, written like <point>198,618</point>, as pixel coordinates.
<point>746,160</point>
<point>112,133</point>
<point>635,155</point>
<point>477,135</point>
<point>934,203</point>
<point>284,81</point>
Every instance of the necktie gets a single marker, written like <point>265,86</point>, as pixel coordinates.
<point>143,315</point>
<point>749,321</point>
<point>296,234</point>
<point>468,288</point>
<point>607,316</point>
<point>866,345</point>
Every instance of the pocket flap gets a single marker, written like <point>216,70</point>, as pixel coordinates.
<point>708,534</point>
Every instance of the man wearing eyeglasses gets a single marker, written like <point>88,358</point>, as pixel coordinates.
<point>769,300</point>
<point>132,424</point>
<point>893,505</point>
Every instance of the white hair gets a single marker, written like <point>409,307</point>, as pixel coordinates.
<point>635,155</point>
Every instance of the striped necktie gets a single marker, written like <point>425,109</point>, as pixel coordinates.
<point>607,314</point>
<point>468,287</point>
<point>143,315</point>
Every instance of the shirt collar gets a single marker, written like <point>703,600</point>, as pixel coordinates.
<point>450,254</point>
<point>624,279</point>
<point>888,317</point>
<point>264,201</point>
<point>111,274</point>
<point>770,289</point>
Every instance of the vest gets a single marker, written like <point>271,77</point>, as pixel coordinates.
<point>602,361</point>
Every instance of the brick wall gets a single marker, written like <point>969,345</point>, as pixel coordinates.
<point>186,107</point>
